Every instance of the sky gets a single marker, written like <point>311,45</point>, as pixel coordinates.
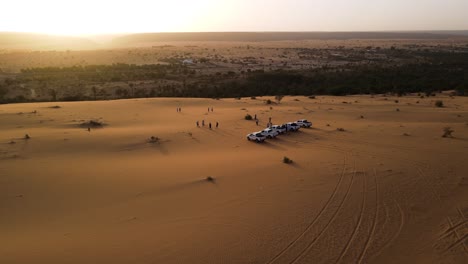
<point>88,17</point>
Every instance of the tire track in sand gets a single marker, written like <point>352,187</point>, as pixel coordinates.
<point>374,221</point>
<point>460,240</point>
<point>309,246</point>
<point>358,224</point>
<point>301,235</point>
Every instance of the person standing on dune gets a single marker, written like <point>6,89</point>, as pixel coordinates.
<point>217,124</point>
<point>203,122</point>
<point>198,125</point>
<point>210,125</point>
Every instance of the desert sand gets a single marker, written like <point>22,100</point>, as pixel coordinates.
<point>387,189</point>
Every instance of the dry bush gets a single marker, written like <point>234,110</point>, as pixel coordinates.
<point>439,103</point>
<point>210,179</point>
<point>287,160</point>
<point>154,139</point>
<point>248,117</point>
<point>92,123</point>
<point>448,132</point>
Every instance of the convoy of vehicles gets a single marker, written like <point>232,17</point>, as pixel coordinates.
<point>275,130</point>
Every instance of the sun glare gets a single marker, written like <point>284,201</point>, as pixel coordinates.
<point>96,17</point>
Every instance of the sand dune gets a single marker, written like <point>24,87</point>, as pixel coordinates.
<point>387,189</point>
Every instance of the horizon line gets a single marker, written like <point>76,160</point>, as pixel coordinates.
<point>266,31</point>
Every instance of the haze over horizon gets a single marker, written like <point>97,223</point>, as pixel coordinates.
<point>89,17</point>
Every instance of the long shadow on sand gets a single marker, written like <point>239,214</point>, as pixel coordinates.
<point>146,145</point>
<point>176,188</point>
<point>270,144</point>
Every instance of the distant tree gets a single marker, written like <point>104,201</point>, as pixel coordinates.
<point>53,94</point>
<point>3,91</point>
<point>278,98</point>
<point>94,89</point>
<point>132,89</point>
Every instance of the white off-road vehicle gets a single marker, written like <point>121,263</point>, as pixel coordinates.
<point>256,136</point>
<point>279,128</point>
<point>270,133</point>
<point>304,123</point>
<point>292,126</point>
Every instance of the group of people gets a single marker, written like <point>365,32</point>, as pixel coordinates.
<point>179,109</point>
<point>269,121</point>
<point>209,124</point>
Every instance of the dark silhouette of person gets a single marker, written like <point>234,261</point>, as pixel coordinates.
<point>210,125</point>
<point>217,124</point>
<point>256,122</point>
<point>203,122</point>
<point>198,125</point>
<point>255,117</point>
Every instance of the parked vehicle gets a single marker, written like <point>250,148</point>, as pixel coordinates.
<point>292,126</point>
<point>304,123</point>
<point>279,128</point>
<point>256,136</point>
<point>270,133</point>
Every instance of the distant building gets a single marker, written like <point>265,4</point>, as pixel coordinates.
<point>187,61</point>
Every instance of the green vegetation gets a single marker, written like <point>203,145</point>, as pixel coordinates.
<point>432,72</point>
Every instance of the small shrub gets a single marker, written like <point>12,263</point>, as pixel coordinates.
<point>153,139</point>
<point>27,136</point>
<point>396,101</point>
<point>253,98</point>
<point>312,97</point>
<point>398,109</point>
<point>340,129</point>
<point>238,98</point>
<point>287,160</point>
<point>448,132</point>
<point>92,123</point>
<point>268,102</point>
<point>210,179</point>
<point>439,103</point>
<point>55,106</point>
<point>248,117</point>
